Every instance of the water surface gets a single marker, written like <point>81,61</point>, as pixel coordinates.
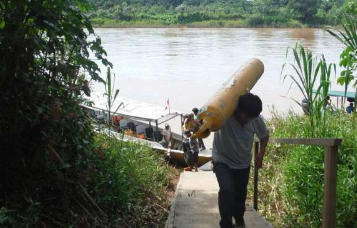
<point>187,65</point>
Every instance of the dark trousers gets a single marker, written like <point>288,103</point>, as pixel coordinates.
<point>201,144</point>
<point>232,193</point>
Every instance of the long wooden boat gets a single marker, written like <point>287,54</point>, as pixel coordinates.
<point>148,115</point>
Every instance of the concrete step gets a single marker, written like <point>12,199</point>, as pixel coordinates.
<point>196,204</point>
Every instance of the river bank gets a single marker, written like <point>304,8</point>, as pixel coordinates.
<point>110,23</point>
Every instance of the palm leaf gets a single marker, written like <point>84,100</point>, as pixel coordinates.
<point>116,94</point>
<point>121,104</point>
<point>347,75</point>
<point>298,84</point>
<point>302,79</point>
<point>335,35</point>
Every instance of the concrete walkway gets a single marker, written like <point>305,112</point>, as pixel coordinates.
<point>196,204</point>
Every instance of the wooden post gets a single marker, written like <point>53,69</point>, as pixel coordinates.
<point>330,181</point>
<point>255,194</point>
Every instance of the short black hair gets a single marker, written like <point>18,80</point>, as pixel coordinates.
<point>250,104</point>
<point>195,110</point>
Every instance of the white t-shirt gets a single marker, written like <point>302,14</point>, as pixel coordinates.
<point>167,134</point>
<point>233,143</point>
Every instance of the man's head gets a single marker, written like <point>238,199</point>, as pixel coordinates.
<point>167,126</point>
<point>190,117</point>
<point>249,107</point>
<point>351,104</point>
<point>188,133</point>
<point>195,111</point>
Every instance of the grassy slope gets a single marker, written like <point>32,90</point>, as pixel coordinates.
<point>291,182</point>
<point>126,185</point>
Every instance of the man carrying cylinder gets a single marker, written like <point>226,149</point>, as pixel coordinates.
<point>231,154</point>
<point>234,115</point>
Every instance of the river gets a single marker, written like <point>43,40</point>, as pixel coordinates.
<point>187,65</point>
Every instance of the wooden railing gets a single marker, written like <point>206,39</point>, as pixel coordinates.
<point>330,174</point>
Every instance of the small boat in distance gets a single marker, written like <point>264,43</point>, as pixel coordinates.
<point>341,97</point>
<point>142,122</point>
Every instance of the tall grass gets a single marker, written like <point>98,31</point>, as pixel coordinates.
<point>291,182</point>
<point>129,182</point>
<point>111,93</point>
<point>125,186</point>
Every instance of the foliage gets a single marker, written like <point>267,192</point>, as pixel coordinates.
<point>258,13</point>
<point>53,173</point>
<point>305,9</point>
<point>308,71</point>
<point>46,138</point>
<point>43,53</point>
<point>291,182</point>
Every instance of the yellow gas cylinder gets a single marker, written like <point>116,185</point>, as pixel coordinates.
<point>220,107</point>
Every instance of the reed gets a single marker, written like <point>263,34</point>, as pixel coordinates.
<point>310,72</point>
<point>111,94</point>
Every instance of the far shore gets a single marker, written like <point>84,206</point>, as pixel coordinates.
<point>105,23</point>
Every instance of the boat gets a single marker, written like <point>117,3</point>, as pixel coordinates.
<point>151,118</point>
<point>339,95</point>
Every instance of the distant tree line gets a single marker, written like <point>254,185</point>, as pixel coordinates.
<point>256,13</point>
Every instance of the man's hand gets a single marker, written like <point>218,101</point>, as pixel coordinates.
<point>259,161</point>
<point>212,166</point>
<point>260,155</point>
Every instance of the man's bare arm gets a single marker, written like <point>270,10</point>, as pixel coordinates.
<point>260,155</point>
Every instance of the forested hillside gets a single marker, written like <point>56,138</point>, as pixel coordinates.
<point>217,13</point>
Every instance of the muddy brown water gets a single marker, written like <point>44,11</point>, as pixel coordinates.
<point>187,65</point>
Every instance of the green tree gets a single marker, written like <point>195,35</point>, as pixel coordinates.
<point>306,9</point>
<point>45,67</point>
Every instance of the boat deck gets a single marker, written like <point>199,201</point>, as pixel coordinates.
<point>195,204</point>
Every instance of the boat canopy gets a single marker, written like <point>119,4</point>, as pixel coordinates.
<point>335,93</point>
<point>133,109</point>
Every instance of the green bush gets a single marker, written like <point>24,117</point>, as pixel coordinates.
<point>263,20</point>
<point>43,53</point>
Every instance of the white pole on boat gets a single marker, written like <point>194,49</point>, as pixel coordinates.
<point>181,127</point>
<point>157,129</point>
